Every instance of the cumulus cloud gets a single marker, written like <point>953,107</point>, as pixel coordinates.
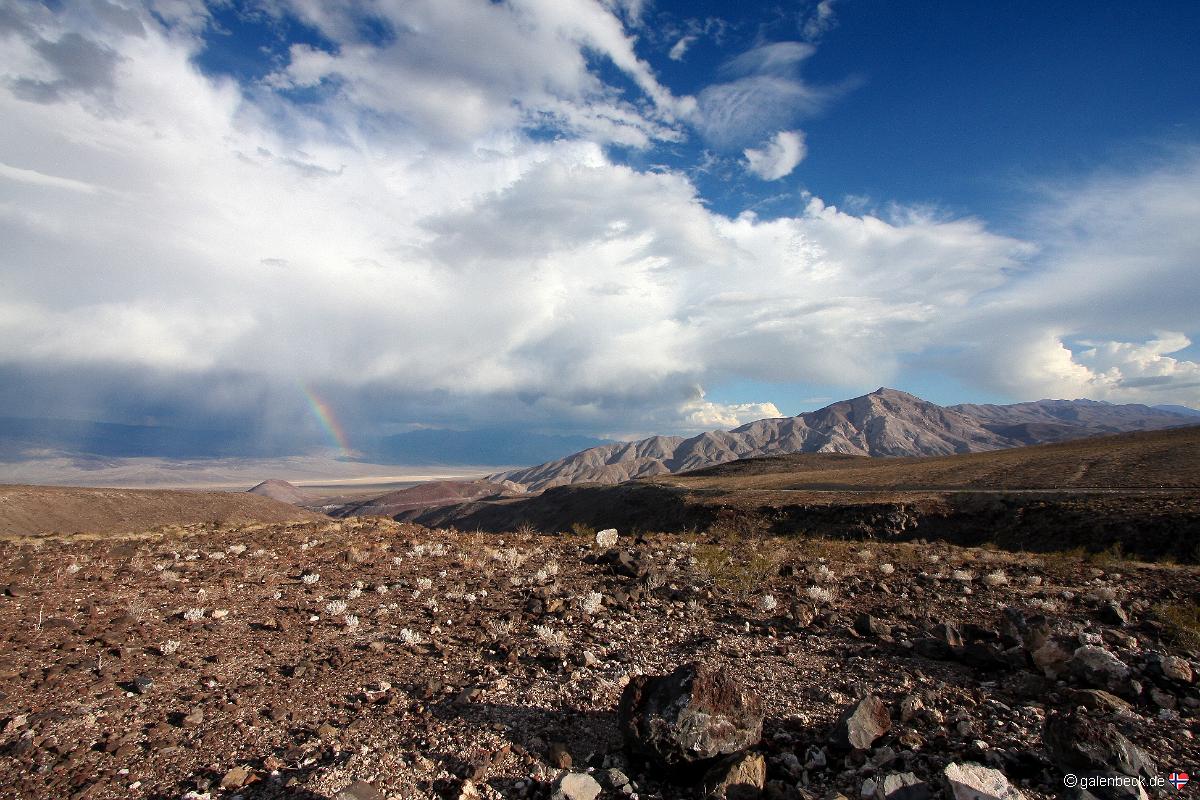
<point>705,415</point>
<point>192,246</point>
<point>1115,264</point>
<point>778,157</point>
<point>434,79</point>
<point>1043,365</point>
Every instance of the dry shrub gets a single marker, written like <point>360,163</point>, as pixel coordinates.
<point>1182,621</point>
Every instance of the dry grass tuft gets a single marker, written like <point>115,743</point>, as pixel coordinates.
<point>1182,621</point>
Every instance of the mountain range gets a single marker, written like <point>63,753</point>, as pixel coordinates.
<point>886,422</point>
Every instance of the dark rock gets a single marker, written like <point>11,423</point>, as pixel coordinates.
<point>1099,668</point>
<point>696,713</point>
<point>861,724</point>
<point>623,562</point>
<point>1078,743</point>
<point>559,756</point>
<point>867,625</point>
<point>143,684</point>
<point>948,633</point>
<point>1113,614</point>
<point>932,648</point>
<point>987,656</point>
<point>782,790</point>
<point>1108,786</point>
<point>803,615</point>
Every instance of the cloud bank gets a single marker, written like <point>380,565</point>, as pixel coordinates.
<point>386,219</point>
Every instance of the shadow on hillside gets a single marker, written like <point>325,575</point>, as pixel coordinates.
<point>586,735</point>
<point>273,789</point>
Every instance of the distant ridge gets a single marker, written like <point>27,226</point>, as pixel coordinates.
<point>886,422</point>
<point>284,492</point>
<point>1187,411</point>
<point>424,495</point>
<point>26,510</point>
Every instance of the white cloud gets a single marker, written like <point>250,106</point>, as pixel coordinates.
<point>705,415</point>
<point>1116,263</point>
<point>778,157</point>
<point>1042,365</point>
<point>820,21</point>
<point>196,235</point>
<point>436,79</point>
<point>680,48</point>
<point>36,178</point>
<point>762,92</point>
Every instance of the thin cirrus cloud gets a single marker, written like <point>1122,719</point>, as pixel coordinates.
<point>762,92</point>
<point>186,244</point>
<point>680,48</point>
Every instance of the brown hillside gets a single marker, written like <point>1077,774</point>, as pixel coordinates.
<point>1145,460</point>
<point>26,510</point>
<point>424,495</point>
<point>284,492</point>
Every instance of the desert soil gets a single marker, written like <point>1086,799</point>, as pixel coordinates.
<point>291,660</point>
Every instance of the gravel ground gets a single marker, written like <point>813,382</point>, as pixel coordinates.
<point>291,660</point>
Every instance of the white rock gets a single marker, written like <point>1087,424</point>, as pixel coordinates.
<point>606,538</point>
<point>576,786</point>
<point>973,782</point>
<point>900,784</point>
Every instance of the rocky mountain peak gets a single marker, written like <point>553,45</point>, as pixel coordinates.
<point>886,422</point>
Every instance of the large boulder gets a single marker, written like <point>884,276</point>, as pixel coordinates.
<point>694,714</point>
<point>1077,743</point>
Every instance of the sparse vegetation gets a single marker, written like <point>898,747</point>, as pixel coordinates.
<point>335,607</point>
<point>550,636</point>
<point>819,594</point>
<point>582,530</point>
<point>1182,622</point>
<point>739,567</point>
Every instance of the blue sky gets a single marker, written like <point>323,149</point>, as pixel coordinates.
<point>609,217</point>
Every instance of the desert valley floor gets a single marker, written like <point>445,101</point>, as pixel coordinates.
<point>367,658</point>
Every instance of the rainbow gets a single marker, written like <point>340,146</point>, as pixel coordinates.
<point>329,422</point>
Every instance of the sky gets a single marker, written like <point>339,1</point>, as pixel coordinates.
<point>598,217</point>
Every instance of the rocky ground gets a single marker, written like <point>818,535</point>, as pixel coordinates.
<point>367,659</point>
